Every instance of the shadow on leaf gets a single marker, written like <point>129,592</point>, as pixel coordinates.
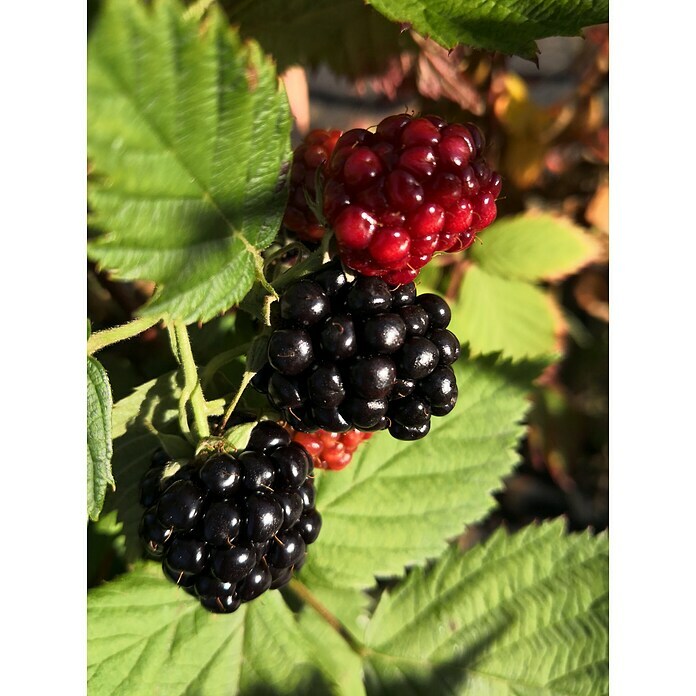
<point>387,674</point>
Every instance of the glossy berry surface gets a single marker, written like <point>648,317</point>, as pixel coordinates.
<point>372,347</point>
<point>216,523</point>
<point>415,186</point>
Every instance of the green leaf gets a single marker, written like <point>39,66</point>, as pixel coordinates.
<point>345,665</point>
<point>146,636</point>
<point>349,605</point>
<point>508,26</point>
<point>521,615</point>
<point>494,314</point>
<point>351,38</point>
<point>534,247</point>
<point>238,436</point>
<point>188,133</point>
<point>141,422</point>
<point>398,501</point>
<point>99,447</point>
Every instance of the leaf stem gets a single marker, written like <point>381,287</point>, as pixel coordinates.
<point>261,276</point>
<point>308,598</point>
<point>107,337</point>
<point>192,386</point>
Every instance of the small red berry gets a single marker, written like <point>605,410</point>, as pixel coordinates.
<point>420,132</point>
<point>419,160</point>
<point>329,450</point>
<point>403,190</point>
<point>485,211</point>
<point>315,156</point>
<point>424,245</point>
<point>354,227</point>
<point>390,246</point>
<point>361,167</point>
<point>426,220</point>
<point>454,153</point>
<point>390,128</point>
<point>459,218</point>
<point>402,277</point>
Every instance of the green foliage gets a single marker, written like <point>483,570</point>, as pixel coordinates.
<point>522,614</point>
<point>146,635</point>
<point>188,133</point>
<point>534,247</point>
<point>500,306</point>
<point>139,421</point>
<point>508,26</point>
<point>497,314</point>
<point>346,35</point>
<point>99,446</point>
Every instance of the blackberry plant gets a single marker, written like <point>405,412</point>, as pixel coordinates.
<point>299,315</point>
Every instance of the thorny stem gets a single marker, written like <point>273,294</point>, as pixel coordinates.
<point>192,386</point>
<point>308,598</point>
<point>107,337</point>
<point>260,275</point>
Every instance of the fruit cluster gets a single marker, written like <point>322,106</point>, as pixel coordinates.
<point>230,526</point>
<point>332,451</point>
<point>359,355</point>
<point>396,196</point>
<point>413,187</point>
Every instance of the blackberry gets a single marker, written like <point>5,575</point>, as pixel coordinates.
<point>226,527</point>
<point>415,186</point>
<point>221,475</point>
<point>291,350</point>
<point>309,526</point>
<point>362,364</point>
<point>221,604</point>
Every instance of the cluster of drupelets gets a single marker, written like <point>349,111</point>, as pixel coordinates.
<point>229,526</point>
<point>353,349</point>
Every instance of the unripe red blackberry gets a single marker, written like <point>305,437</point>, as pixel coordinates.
<point>350,351</point>
<point>311,155</point>
<point>230,526</point>
<point>415,186</point>
<point>329,450</point>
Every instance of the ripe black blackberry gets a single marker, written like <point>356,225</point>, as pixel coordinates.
<point>228,527</point>
<point>359,355</point>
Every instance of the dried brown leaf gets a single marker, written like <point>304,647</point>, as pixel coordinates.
<point>592,294</point>
<point>443,74</point>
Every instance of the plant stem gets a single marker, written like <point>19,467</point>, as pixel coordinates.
<point>192,385</point>
<point>246,378</point>
<point>308,598</point>
<point>221,360</point>
<point>102,339</point>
